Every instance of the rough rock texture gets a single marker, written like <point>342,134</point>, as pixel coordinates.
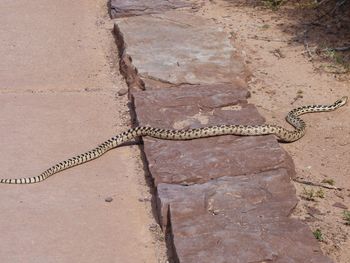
<point>237,219</point>
<point>227,198</point>
<point>221,199</point>
<point>176,48</point>
<point>125,8</point>
<point>193,107</point>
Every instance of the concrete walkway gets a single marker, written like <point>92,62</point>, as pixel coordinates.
<point>57,99</point>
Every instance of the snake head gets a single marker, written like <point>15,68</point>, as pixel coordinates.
<point>341,102</point>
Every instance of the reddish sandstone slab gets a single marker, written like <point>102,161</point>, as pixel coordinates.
<point>197,161</point>
<point>125,8</point>
<point>176,48</point>
<point>227,198</point>
<point>237,219</point>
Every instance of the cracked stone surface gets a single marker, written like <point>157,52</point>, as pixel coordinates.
<point>237,219</point>
<point>221,199</point>
<point>176,48</point>
<point>126,8</point>
<point>226,198</point>
<point>194,107</point>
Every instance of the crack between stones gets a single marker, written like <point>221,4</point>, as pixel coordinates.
<point>170,244</point>
<point>188,184</point>
<point>126,67</point>
<point>167,82</point>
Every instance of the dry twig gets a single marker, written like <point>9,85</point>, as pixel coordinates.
<point>317,184</point>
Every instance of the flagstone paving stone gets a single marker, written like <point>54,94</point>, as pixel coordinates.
<point>175,48</point>
<point>126,8</point>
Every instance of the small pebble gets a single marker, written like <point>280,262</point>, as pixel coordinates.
<point>340,205</point>
<point>145,199</point>
<point>122,91</point>
<point>108,199</point>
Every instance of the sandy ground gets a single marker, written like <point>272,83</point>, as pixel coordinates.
<point>58,85</point>
<point>283,77</point>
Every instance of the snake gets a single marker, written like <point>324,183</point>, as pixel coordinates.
<point>282,134</point>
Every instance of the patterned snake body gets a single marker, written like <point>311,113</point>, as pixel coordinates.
<point>245,130</point>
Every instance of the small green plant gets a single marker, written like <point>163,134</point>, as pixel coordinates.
<point>328,181</point>
<point>273,4</point>
<point>307,4</point>
<point>346,217</point>
<point>337,57</point>
<point>265,26</point>
<point>334,55</point>
<point>319,193</point>
<point>311,194</point>
<point>318,234</point>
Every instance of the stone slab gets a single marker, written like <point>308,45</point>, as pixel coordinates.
<point>225,198</point>
<point>176,48</point>
<point>237,219</point>
<point>198,161</point>
<point>126,8</point>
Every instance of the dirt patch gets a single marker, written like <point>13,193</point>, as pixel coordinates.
<point>283,77</point>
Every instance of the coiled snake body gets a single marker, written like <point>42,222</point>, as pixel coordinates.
<point>245,130</point>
